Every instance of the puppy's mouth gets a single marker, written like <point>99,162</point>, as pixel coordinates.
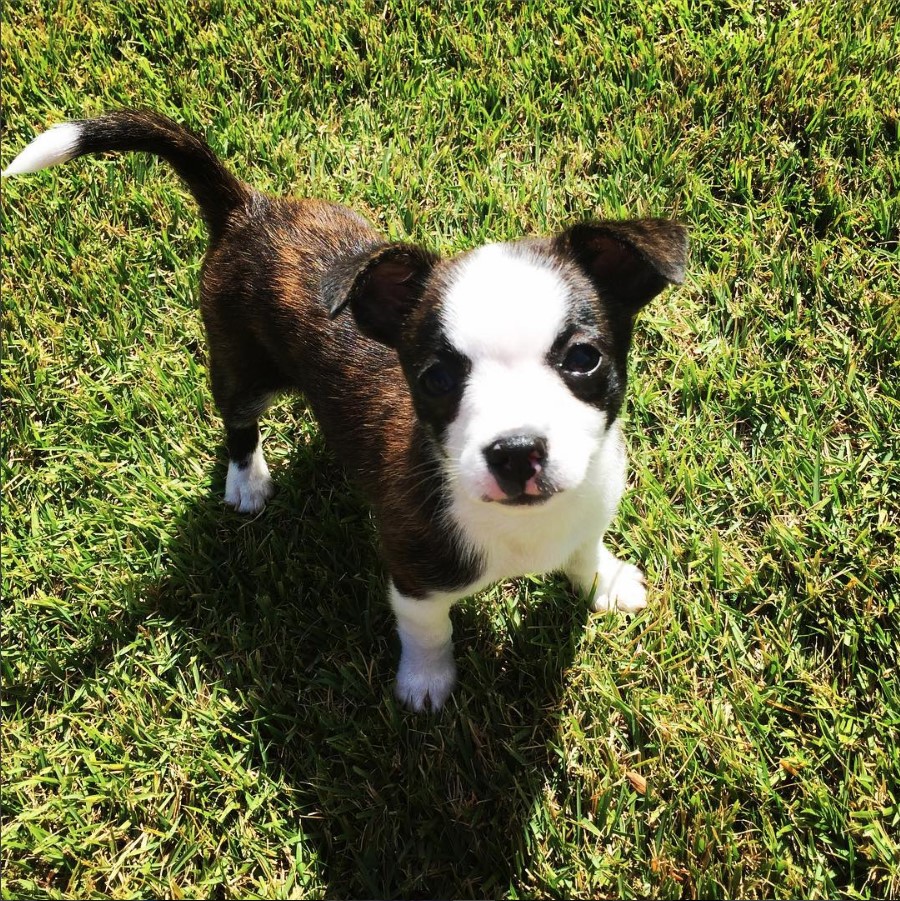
<point>536,491</point>
<point>525,500</point>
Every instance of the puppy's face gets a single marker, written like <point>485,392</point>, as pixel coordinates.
<point>515,354</point>
<point>512,367</point>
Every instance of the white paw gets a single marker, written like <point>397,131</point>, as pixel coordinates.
<point>425,683</point>
<point>621,587</point>
<point>248,489</point>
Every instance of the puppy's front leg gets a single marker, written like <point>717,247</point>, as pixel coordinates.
<point>619,585</point>
<point>427,671</point>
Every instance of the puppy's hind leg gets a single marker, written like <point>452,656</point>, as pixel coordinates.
<point>248,484</point>
<point>242,398</point>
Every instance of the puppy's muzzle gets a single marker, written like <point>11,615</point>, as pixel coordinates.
<point>517,463</point>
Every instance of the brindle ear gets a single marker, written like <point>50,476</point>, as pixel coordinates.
<point>381,286</point>
<point>629,262</point>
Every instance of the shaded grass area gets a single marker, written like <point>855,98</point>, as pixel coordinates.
<point>197,705</point>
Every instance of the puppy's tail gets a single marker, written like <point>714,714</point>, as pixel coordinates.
<point>215,189</point>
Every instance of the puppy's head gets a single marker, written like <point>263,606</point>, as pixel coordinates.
<point>516,353</point>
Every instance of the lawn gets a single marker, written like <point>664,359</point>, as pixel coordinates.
<point>199,705</point>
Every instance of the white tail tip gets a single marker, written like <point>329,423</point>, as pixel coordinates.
<point>56,145</point>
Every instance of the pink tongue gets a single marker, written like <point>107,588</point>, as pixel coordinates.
<point>531,486</point>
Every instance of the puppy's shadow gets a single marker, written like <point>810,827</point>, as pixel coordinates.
<point>288,611</point>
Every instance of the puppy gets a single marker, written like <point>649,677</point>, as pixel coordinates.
<point>476,399</point>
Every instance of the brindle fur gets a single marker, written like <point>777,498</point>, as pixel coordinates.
<point>267,315</point>
<point>275,277</point>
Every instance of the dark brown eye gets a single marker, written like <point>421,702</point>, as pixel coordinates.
<point>438,379</point>
<point>581,359</point>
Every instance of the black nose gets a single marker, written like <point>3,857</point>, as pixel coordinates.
<point>514,460</point>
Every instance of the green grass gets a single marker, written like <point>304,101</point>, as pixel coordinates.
<point>196,705</point>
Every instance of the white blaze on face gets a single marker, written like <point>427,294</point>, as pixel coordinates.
<point>504,310</point>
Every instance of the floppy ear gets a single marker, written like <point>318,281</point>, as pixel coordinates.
<point>381,286</point>
<point>629,262</point>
